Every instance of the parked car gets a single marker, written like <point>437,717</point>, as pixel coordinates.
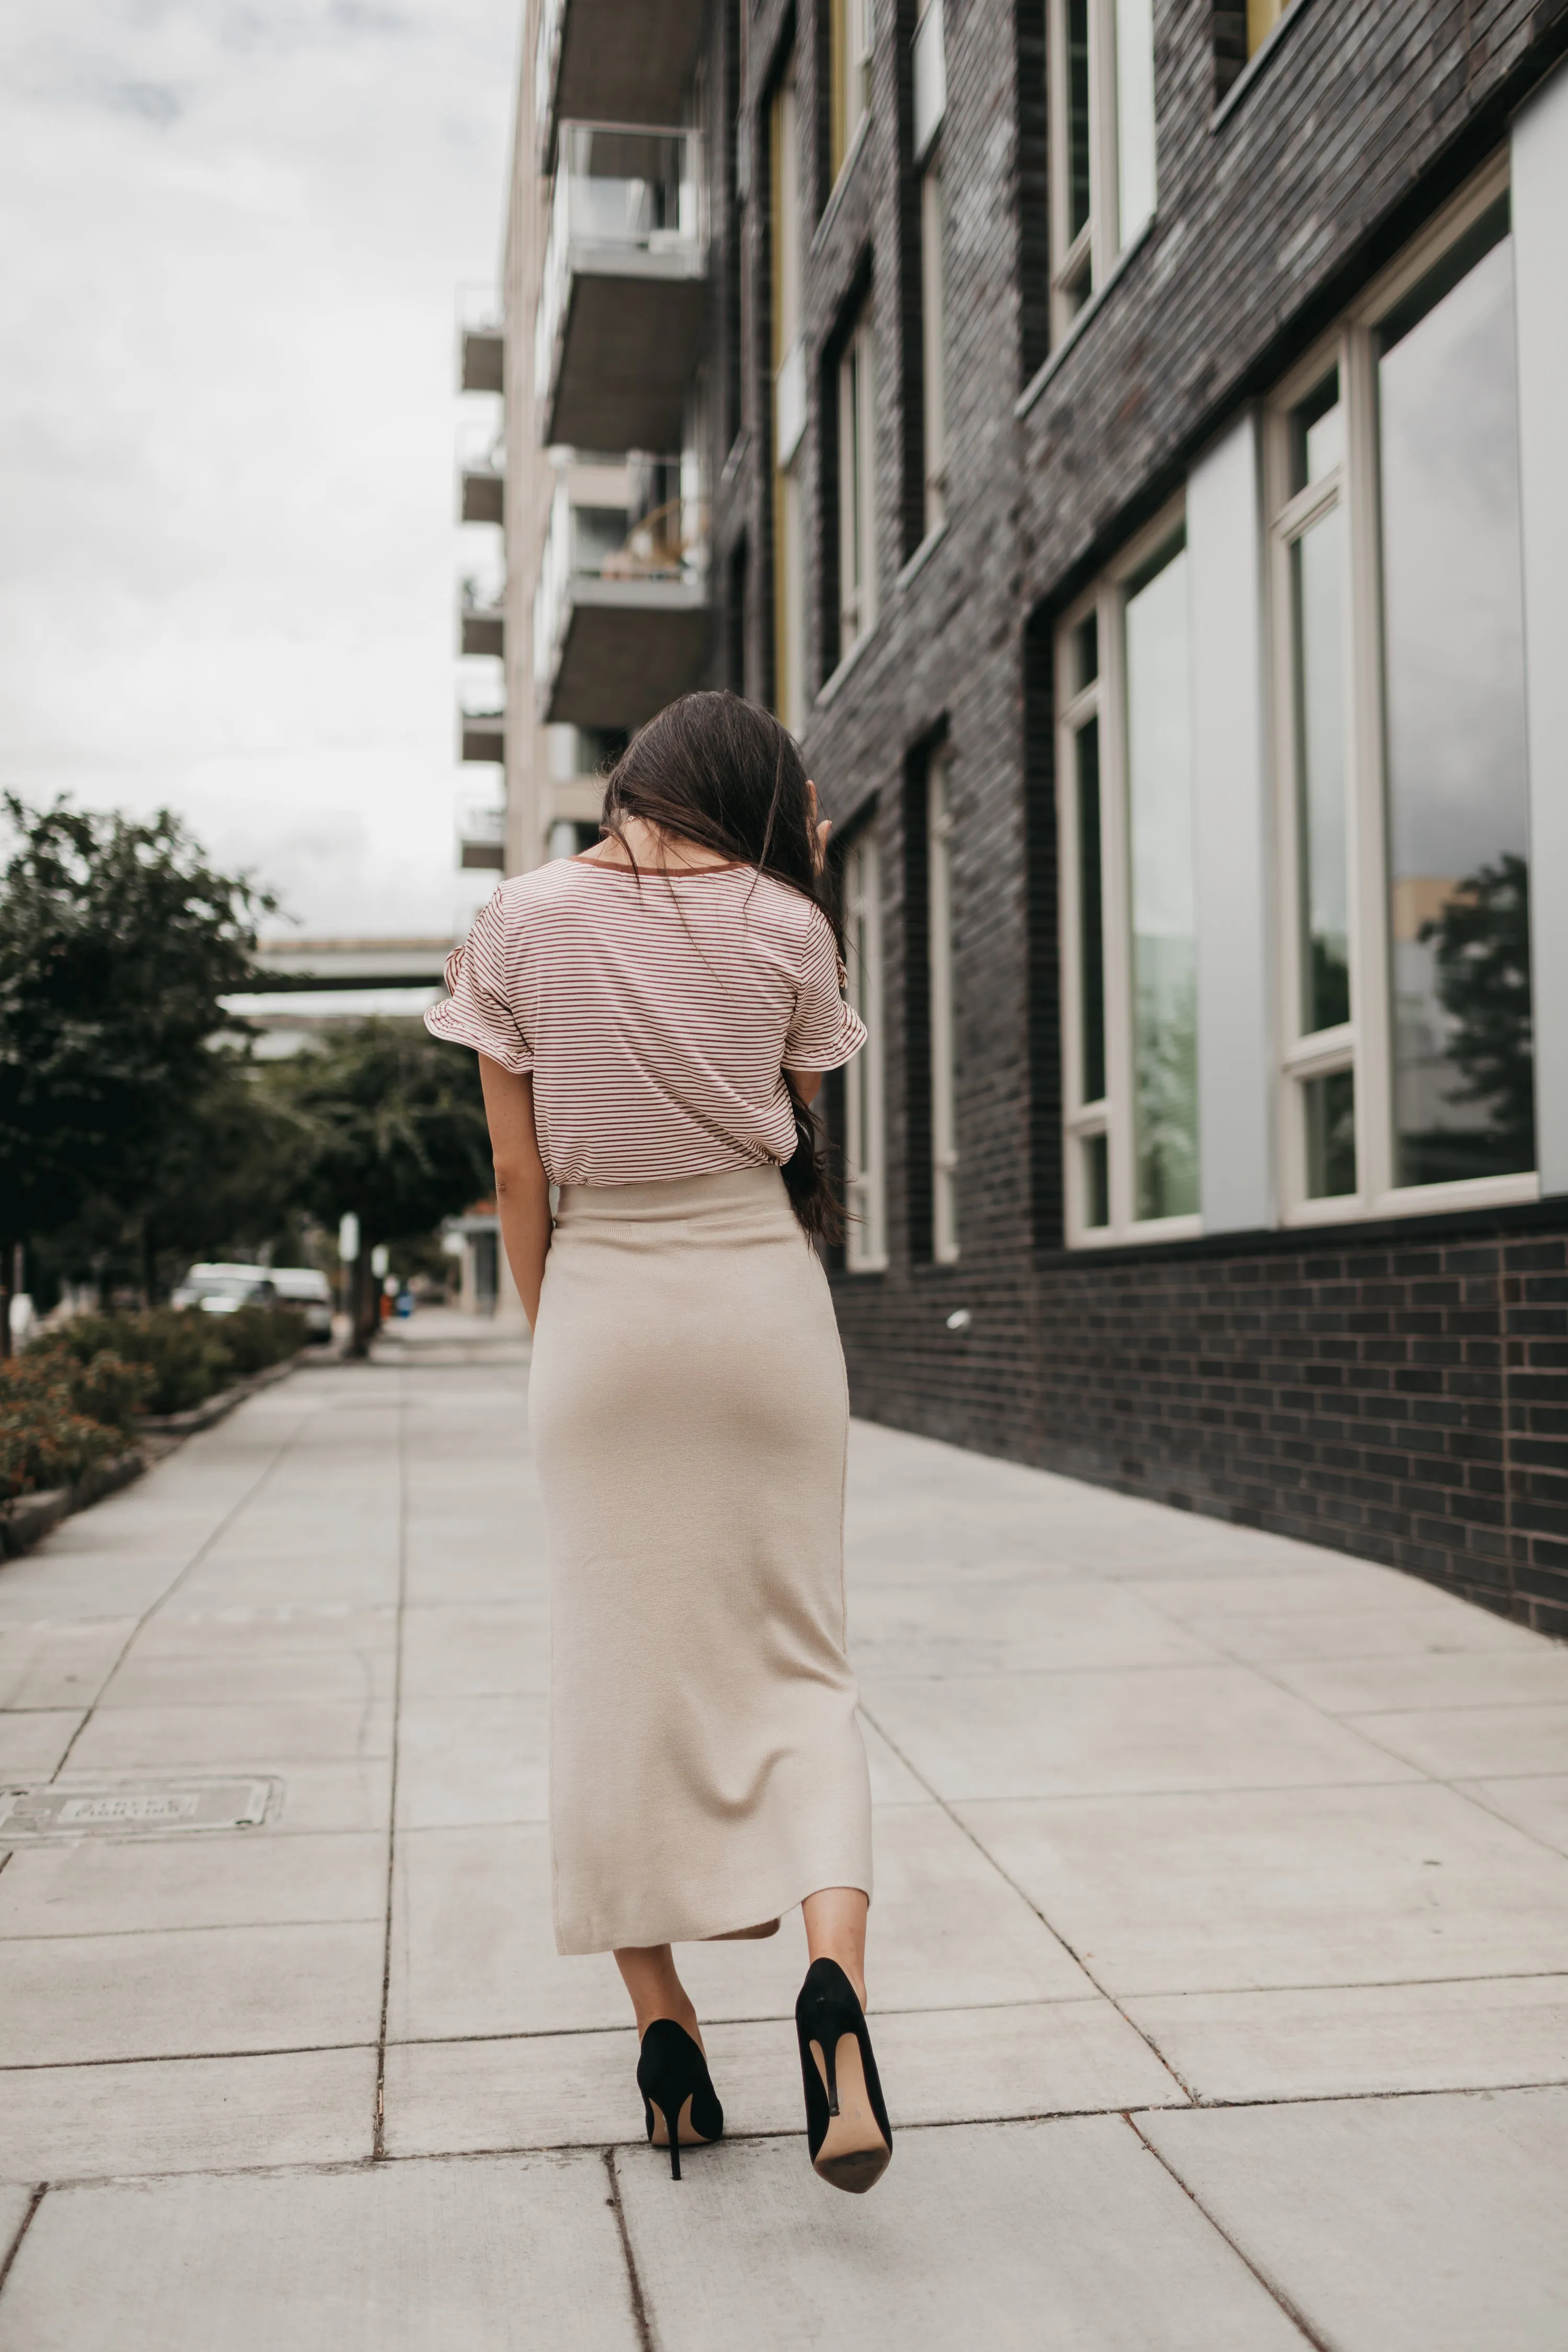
<point>220,1289</point>
<point>302,1287</point>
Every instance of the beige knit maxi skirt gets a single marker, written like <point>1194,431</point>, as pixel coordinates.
<point>689,1416</point>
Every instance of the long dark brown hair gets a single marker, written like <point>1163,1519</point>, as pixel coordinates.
<point>723,774</point>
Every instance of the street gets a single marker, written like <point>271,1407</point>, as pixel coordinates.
<point>1218,1963</point>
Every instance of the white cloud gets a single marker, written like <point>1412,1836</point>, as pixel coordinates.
<point>230,238</point>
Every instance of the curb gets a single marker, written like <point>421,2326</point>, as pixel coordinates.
<point>216,1408</point>
<point>28,1519</point>
<point>31,1518</point>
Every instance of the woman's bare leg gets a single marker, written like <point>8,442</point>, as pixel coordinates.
<point>836,1930</point>
<point>648,1971</point>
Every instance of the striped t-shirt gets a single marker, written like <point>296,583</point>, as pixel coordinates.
<point>656,1013</point>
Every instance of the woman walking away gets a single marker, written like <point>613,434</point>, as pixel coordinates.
<point>652,1019</point>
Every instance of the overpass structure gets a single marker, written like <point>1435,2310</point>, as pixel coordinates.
<point>315,965</point>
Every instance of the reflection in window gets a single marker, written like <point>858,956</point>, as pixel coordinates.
<point>866,1237</point>
<point>1330,1106</point>
<point>1096,1149</point>
<point>1262,15</point>
<point>1317,581</point>
<point>857,492</point>
<point>939,996</point>
<point>1453,634</point>
<point>1091,950</point>
<point>1164,944</point>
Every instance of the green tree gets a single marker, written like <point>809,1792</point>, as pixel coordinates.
<point>1480,945</point>
<point>116,940</point>
<point>391,1125</point>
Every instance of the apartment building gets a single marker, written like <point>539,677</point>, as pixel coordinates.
<point>1120,437</point>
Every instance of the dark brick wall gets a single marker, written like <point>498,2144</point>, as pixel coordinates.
<point>1400,1392</point>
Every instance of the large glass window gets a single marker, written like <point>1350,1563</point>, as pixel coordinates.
<point>1101,73</point>
<point>1453,721</point>
<point>865,1142</point>
<point>1164,939</point>
<point>934,349</point>
<point>1127,924</point>
<point>1400,687</point>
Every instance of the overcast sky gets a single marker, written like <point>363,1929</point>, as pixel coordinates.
<point>230,241</point>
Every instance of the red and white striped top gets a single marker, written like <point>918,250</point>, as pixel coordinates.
<point>657,1014</point>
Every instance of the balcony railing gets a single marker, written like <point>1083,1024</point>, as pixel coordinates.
<point>482,474</point>
<point>481,839</point>
<point>481,619</point>
<point>614,60</point>
<point>620,617</point>
<point>619,322</point>
<point>481,723</point>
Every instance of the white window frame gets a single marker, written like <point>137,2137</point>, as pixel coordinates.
<point>852,32</point>
<point>1117,116</point>
<point>1104,698</point>
<point>1362,1044</point>
<point>933,347</point>
<point>944,1244</point>
<point>857,488</point>
<point>865,1122</point>
<point>789,409</point>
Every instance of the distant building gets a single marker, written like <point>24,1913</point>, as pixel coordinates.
<point>1124,441</point>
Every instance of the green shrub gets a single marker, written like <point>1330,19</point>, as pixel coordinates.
<point>183,1355</point>
<point>180,1352</point>
<point>106,1388</point>
<point>44,1440</point>
<point>254,1337</point>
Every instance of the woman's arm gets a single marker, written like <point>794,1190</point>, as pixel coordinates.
<point>803,1084</point>
<point>522,1188</point>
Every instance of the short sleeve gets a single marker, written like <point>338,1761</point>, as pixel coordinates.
<point>477,1010</point>
<point>825,1033</point>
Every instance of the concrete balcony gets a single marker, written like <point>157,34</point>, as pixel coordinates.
<point>481,731</point>
<point>612,61</point>
<point>622,302</point>
<point>482,363</point>
<point>482,474</point>
<point>621,615</point>
<point>481,840</point>
<point>481,624</point>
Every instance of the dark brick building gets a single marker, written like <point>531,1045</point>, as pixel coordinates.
<point>1125,437</point>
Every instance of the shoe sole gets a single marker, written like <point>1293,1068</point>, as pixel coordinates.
<point>853,2155</point>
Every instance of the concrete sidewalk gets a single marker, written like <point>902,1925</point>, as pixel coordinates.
<point>1220,1950</point>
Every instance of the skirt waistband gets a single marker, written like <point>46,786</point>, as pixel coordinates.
<point>675,1198</point>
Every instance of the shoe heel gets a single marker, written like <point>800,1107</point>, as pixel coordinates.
<point>673,2077</point>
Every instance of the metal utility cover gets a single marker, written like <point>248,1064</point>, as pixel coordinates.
<point>148,1809</point>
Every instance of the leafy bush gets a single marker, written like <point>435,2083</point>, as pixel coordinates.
<point>186,1355</point>
<point>104,1386</point>
<point>179,1353</point>
<point>254,1337</point>
<point>45,1441</point>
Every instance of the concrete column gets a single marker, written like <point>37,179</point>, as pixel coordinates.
<point>1232,835</point>
<point>1540,202</point>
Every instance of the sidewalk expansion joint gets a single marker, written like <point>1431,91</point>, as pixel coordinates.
<point>634,2283</point>
<point>25,2223</point>
<point>1296,2317</point>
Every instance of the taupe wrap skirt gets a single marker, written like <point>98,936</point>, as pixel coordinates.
<point>688,1415</point>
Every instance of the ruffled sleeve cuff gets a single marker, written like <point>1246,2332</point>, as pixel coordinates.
<point>477,1010</point>
<point>825,1032</point>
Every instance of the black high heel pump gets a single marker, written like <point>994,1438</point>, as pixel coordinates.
<point>846,2125</point>
<point>673,2077</point>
